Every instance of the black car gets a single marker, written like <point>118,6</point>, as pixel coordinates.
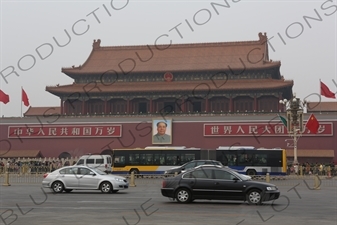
<point>190,165</point>
<point>215,182</point>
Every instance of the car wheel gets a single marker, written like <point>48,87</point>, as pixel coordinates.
<point>57,187</point>
<point>183,195</point>
<point>254,197</point>
<point>68,190</point>
<point>106,187</point>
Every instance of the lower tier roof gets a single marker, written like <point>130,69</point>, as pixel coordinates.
<point>175,86</point>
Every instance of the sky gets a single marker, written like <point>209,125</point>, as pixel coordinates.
<point>34,43</point>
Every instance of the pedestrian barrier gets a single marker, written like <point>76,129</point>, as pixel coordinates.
<point>329,173</point>
<point>317,183</point>
<point>6,183</point>
<point>321,181</point>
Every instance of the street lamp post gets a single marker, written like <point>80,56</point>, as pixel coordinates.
<point>294,109</point>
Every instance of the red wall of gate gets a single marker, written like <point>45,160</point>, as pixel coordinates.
<point>139,134</point>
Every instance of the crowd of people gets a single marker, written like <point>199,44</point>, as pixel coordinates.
<point>17,166</point>
<point>321,169</point>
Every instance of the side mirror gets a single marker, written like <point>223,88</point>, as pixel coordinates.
<point>236,179</point>
<point>92,173</point>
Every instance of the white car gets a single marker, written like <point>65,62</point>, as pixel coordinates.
<point>83,178</point>
<point>101,162</point>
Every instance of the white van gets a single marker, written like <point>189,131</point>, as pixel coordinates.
<point>101,162</point>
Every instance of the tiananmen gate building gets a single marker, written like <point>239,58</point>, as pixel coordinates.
<point>213,94</point>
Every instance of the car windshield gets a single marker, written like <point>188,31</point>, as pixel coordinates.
<point>100,172</point>
<point>242,177</point>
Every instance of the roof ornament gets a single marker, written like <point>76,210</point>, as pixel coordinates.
<point>262,37</point>
<point>96,44</point>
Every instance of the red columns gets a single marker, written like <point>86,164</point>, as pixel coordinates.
<point>83,107</point>
<point>105,107</point>
<point>151,106</point>
<point>255,104</point>
<point>128,106</point>
<point>62,110</point>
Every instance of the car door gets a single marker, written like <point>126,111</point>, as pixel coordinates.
<point>200,182</point>
<point>69,177</point>
<point>227,186</point>
<point>87,179</point>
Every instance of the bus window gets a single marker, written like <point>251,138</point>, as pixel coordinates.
<point>260,159</point>
<point>186,158</point>
<point>134,159</point>
<point>147,158</point>
<point>142,159</point>
<point>245,159</point>
<point>169,159</point>
<point>119,160</point>
<point>172,159</point>
<point>159,159</point>
<point>227,158</point>
<point>232,160</point>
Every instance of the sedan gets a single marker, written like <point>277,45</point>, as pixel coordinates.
<point>217,183</point>
<point>190,165</point>
<point>83,178</point>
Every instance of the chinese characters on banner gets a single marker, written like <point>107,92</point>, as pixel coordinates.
<point>260,129</point>
<point>64,131</point>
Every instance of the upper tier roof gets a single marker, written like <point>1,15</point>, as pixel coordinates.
<point>178,57</point>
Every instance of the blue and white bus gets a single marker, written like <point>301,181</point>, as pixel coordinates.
<point>252,161</point>
<point>156,160</point>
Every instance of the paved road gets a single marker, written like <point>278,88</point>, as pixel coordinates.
<point>23,203</point>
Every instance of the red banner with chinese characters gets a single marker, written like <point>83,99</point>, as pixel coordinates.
<point>64,131</point>
<point>260,129</point>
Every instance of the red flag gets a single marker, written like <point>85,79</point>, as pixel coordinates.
<point>25,98</point>
<point>4,97</point>
<point>312,124</point>
<point>325,91</point>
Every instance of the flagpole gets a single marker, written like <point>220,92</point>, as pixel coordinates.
<point>320,92</point>
<point>21,103</point>
<point>319,88</point>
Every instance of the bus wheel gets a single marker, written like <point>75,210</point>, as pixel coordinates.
<point>251,172</point>
<point>135,171</point>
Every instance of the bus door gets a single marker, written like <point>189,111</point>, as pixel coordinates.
<point>119,160</point>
